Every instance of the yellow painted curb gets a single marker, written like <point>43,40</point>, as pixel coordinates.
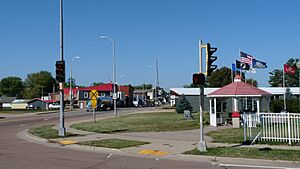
<point>153,152</point>
<point>66,142</point>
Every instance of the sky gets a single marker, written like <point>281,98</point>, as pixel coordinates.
<point>145,31</point>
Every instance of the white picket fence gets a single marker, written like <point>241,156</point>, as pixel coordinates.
<point>282,127</point>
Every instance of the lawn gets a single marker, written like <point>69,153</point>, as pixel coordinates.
<point>146,122</point>
<point>231,135</point>
<point>113,143</point>
<point>256,153</point>
<point>236,135</point>
<point>10,111</point>
<point>47,132</point>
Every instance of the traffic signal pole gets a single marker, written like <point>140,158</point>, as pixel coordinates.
<point>61,130</point>
<point>201,144</point>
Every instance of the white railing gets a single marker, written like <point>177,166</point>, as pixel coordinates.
<point>282,127</point>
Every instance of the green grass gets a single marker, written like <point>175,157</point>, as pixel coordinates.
<point>236,135</point>
<point>47,132</point>
<point>270,154</point>
<point>113,143</point>
<point>12,111</point>
<point>146,122</point>
<point>232,135</point>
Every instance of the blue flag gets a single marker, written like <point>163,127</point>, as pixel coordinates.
<point>233,67</point>
<point>258,64</point>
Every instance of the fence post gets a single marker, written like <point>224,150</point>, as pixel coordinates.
<point>289,128</point>
<point>245,119</point>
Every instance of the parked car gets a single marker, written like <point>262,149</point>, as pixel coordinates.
<point>54,106</point>
<point>103,103</point>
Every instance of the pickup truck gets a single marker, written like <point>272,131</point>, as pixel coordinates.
<point>103,103</point>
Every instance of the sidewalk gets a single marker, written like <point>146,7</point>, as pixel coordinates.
<point>163,145</point>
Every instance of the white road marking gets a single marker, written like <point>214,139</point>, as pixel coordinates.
<point>254,166</point>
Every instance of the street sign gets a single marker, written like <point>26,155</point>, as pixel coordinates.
<point>115,96</point>
<point>94,103</point>
<point>94,94</point>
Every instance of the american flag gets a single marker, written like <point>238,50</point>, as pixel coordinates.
<point>245,58</point>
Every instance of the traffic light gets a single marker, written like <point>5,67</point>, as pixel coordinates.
<point>210,59</point>
<point>198,79</point>
<point>60,71</point>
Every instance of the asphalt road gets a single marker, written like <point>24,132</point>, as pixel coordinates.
<point>16,153</point>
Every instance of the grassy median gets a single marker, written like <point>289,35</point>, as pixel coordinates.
<point>255,153</point>
<point>47,132</point>
<point>144,122</point>
<point>113,143</point>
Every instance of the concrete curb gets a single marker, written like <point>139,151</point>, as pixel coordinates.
<point>219,161</point>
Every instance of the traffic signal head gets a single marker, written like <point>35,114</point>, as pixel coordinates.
<point>60,71</point>
<point>198,79</point>
<point>210,59</point>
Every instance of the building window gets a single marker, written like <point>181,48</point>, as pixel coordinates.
<point>86,95</point>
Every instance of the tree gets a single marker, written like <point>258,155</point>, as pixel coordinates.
<point>36,83</point>
<point>183,104</point>
<point>288,93</point>
<point>97,83</point>
<point>67,84</point>
<point>276,76</point>
<point>251,82</point>
<point>220,77</point>
<point>143,86</point>
<point>11,86</point>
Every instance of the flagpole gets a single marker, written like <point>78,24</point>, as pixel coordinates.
<point>240,69</point>
<point>283,84</point>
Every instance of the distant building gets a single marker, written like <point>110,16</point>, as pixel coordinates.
<point>19,104</point>
<point>5,102</point>
<point>82,95</point>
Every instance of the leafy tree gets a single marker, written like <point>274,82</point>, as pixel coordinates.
<point>191,86</point>
<point>35,83</point>
<point>252,82</point>
<point>97,83</point>
<point>67,84</point>
<point>11,86</point>
<point>143,86</point>
<point>220,77</point>
<point>276,76</point>
<point>183,104</point>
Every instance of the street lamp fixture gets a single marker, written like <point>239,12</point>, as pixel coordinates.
<point>71,92</point>
<point>114,71</point>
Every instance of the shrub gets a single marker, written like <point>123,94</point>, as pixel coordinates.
<point>183,104</point>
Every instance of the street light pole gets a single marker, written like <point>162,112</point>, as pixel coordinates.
<point>201,143</point>
<point>61,130</point>
<point>114,72</point>
<point>71,92</point>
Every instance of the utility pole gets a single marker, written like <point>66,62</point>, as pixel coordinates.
<point>157,82</point>
<point>62,130</point>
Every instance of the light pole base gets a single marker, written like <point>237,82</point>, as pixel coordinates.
<point>62,131</point>
<point>202,146</point>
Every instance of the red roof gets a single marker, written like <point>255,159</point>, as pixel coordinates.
<point>238,88</point>
<point>102,87</point>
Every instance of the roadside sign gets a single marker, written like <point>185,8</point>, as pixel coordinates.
<point>115,96</point>
<point>94,103</point>
<point>94,94</point>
